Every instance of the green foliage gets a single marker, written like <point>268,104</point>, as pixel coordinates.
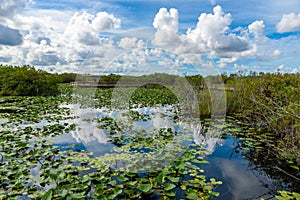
<point>285,195</point>
<point>270,103</point>
<point>26,81</point>
<point>67,77</point>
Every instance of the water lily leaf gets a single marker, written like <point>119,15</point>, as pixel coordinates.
<point>173,179</point>
<point>216,194</point>
<point>78,195</point>
<point>122,178</point>
<point>145,187</point>
<point>169,186</point>
<point>117,191</point>
<point>112,183</point>
<point>170,193</point>
<point>131,183</point>
<point>192,195</point>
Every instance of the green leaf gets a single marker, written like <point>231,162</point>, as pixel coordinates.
<point>78,195</point>
<point>122,178</point>
<point>169,186</point>
<point>192,195</point>
<point>145,187</point>
<point>47,195</point>
<point>53,176</point>
<point>169,193</point>
<point>183,187</point>
<point>131,183</point>
<point>112,183</point>
<point>219,182</point>
<point>173,179</point>
<point>296,195</point>
<point>216,194</point>
<point>280,198</point>
<point>201,161</point>
<point>295,167</point>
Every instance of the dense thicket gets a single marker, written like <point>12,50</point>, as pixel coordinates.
<point>270,103</point>
<point>27,81</point>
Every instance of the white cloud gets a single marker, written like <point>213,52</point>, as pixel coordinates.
<point>85,27</point>
<point>276,53</point>
<point>281,67</point>
<point>289,23</point>
<point>212,33</point>
<point>211,25</point>
<point>240,67</point>
<point>58,39</point>
<point>104,21</point>
<point>166,20</point>
<point>212,30</point>
<point>166,37</point>
<point>224,61</point>
<point>9,8</point>
<point>257,28</point>
<point>127,42</point>
<point>62,40</point>
<point>166,24</point>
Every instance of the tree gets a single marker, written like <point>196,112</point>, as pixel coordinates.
<point>26,81</point>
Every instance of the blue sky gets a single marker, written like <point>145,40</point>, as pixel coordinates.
<point>87,36</point>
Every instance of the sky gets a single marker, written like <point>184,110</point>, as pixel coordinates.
<point>142,36</point>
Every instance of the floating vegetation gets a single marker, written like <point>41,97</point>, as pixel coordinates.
<point>142,164</point>
<point>151,149</point>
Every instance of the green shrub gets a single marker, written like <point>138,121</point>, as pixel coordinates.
<point>27,81</point>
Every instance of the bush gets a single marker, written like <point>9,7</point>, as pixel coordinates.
<point>270,103</point>
<point>26,81</point>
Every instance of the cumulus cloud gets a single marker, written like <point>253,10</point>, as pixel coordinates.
<point>212,35</point>
<point>212,30</point>
<point>257,28</point>
<point>9,8</point>
<point>166,23</point>
<point>215,24</point>
<point>289,23</point>
<point>276,53</point>
<point>62,40</point>
<point>57,40</point>
<point>85,27</point>
<point>224,61</point>
<point>105,21</point>
<point>166,37</point>
<point>9,36</point>
<point>166,20</point>
<point>127,42</point>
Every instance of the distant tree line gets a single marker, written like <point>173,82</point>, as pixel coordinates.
<point>27,81</point>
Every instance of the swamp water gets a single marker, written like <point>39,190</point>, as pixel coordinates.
<point>131,140</point>
<point>226,163</point>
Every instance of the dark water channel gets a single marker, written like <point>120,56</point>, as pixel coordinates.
<point>240,179</point>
